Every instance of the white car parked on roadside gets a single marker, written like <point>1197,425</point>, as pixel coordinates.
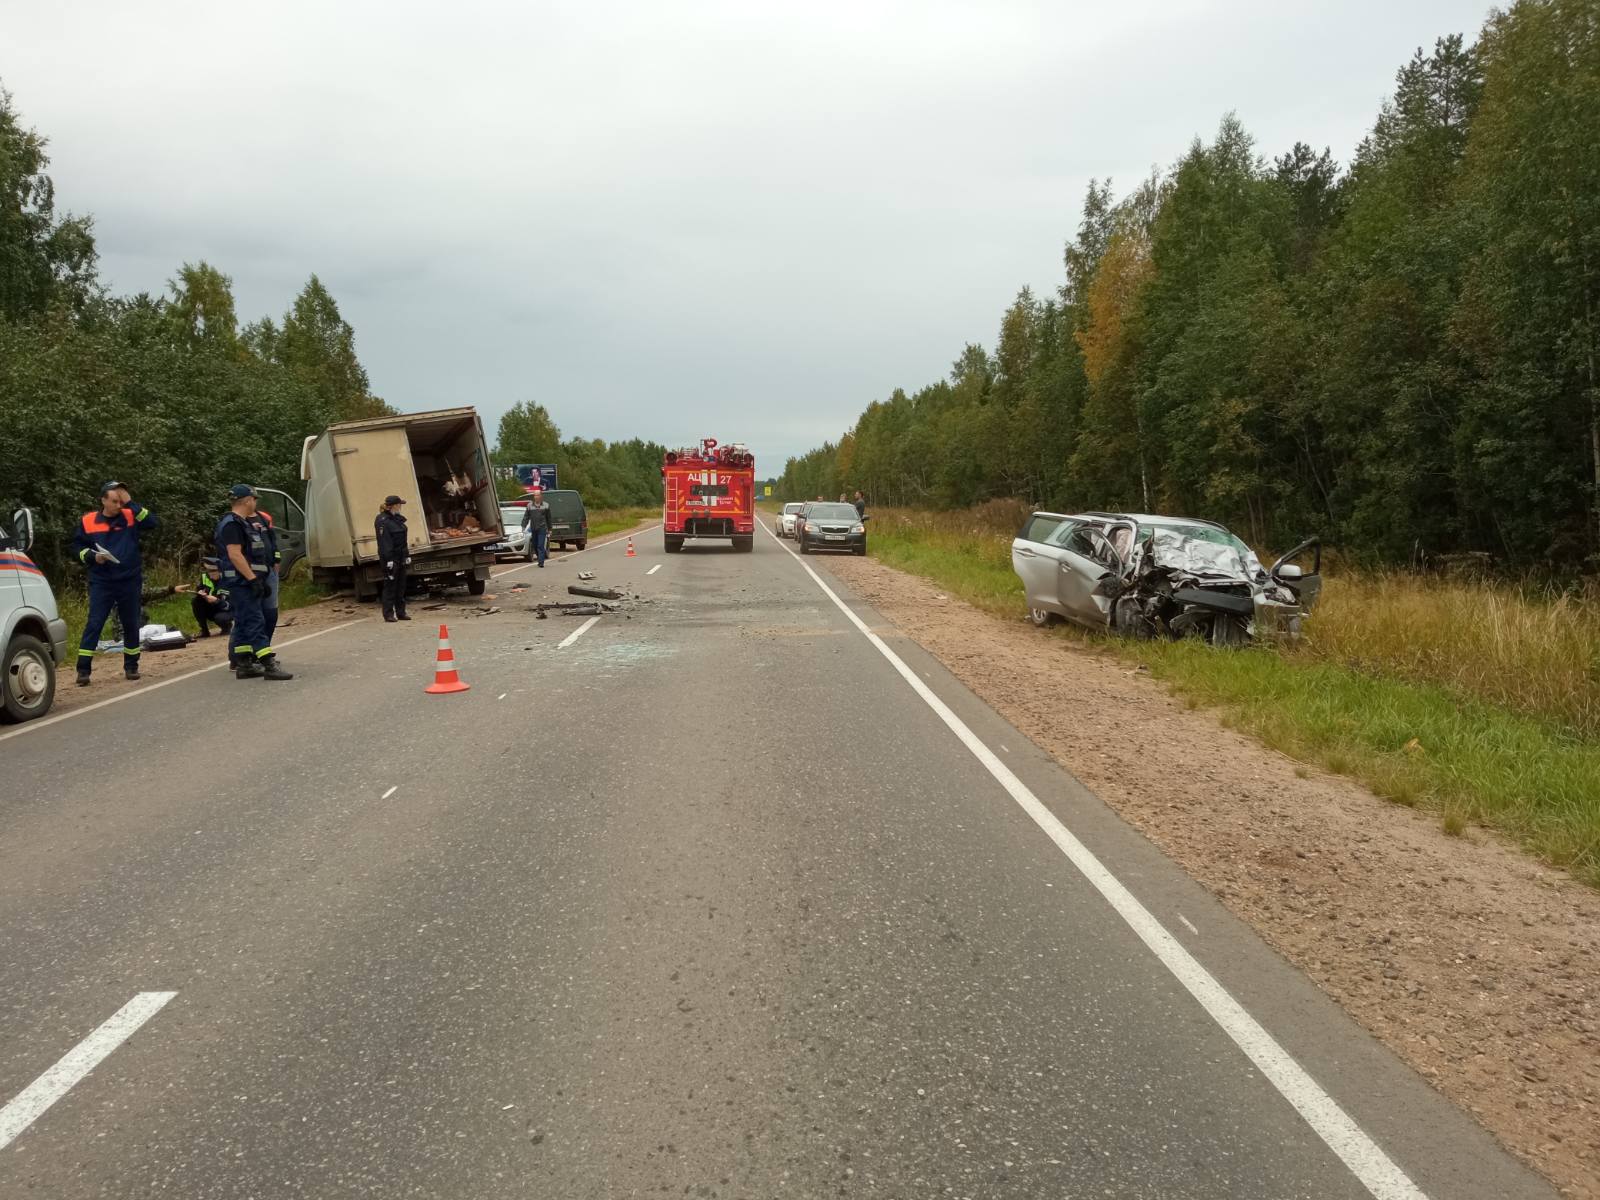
<point>786,519</point>
<point>515,543</point>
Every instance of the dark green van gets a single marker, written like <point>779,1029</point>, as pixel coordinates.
<point>569,520</point>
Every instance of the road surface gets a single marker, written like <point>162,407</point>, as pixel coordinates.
<point>723,897</point>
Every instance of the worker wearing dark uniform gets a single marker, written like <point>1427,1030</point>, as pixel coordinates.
<point>395,555</point>
<point>107,543</point>
<point>269,604</point>
<point>246,560</point>
<point>210,604</point>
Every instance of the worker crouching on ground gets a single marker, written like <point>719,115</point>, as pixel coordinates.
<point>245,556</point>
<point>394,553</point>
<point>536,520</point>
<point>107,543</point>
<point>210,604</point>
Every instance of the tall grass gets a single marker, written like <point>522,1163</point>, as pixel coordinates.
<point>614,520</point>
<point>1478,699</point>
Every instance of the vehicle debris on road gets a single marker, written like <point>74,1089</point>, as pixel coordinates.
<point>572,609</point>
<point>596,593</point>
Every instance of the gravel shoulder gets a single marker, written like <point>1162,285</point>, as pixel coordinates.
<point>1473,963</point>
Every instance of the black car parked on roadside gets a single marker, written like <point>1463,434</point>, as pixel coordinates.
<point>826,526</point>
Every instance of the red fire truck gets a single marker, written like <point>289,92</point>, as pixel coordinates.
<point>710,493</point>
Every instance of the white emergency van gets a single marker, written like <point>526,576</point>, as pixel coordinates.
<point>33,637</point>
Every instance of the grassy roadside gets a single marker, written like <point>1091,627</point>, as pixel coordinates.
<point>603,521</point>
<point>173,611</point>
<point>1477,701</point>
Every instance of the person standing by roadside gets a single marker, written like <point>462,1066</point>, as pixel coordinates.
<point>107,543</point>
<point>269,604</point>
<point>394,552</point>
<point>536,520</point>
<point>861,504</point>
<point>210,604</point>
<point>246,560</point>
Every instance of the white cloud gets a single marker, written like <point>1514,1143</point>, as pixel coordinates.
<point>663,220</point>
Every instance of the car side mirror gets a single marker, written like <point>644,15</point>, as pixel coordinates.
<point>1291,571</point>
<point>23,522</point>
<point>865,518</point>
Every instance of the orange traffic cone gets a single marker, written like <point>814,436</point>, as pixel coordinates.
<point>630,548</point>
<point>445,678</point>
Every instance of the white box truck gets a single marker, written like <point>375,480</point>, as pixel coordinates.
<point>33,637</point>
<point>438,462</point>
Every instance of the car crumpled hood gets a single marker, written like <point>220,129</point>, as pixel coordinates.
<point>1205,560</point>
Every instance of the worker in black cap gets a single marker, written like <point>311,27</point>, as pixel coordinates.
<point>245,557</point>
<point>210,604</point>
<point>395,554</point>
<point>107,543</point>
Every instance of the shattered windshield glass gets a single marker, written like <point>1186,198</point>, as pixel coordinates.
<point>1203,550</point>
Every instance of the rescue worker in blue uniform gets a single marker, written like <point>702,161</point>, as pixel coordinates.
<point>210,604</point>
<point>107,543</point>
<point>269,604</point>
<point>246,561</point>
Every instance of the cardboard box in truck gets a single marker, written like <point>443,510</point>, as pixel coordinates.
<point>438,462</point>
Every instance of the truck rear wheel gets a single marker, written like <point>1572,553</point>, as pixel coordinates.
<point>27,679</point>
<point>671,544</point>
<point>476,587</point>
<point>745,543</point>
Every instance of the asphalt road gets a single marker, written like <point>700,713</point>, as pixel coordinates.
<point>708,902</point>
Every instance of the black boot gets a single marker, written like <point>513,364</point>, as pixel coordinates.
<point>401,616</point>
<point>271,669</point>
<point>248,670</point>
<point>83,679</point>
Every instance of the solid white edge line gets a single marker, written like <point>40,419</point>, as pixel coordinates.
<point>621,537</point>
<point>1377,1172</point>
<point>33,1100</point>
<point>145,690</point>
<point>577,633</point>
<point>653,569</point>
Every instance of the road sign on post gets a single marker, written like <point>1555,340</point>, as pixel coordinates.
<point>540,475</point>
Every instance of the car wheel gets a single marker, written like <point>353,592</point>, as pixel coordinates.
<point>805,546</point>
<point>1043,618</point>
<point>860,550</point>
<point>28,676</point>
<point>583,543</point>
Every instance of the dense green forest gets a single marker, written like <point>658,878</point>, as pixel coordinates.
<point>171,393</point>
<point>609,474</point>
<point>1399,355</point>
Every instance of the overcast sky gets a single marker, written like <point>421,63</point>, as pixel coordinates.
<point>664,220</point>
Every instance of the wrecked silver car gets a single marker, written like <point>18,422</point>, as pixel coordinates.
<point>1154,576</point>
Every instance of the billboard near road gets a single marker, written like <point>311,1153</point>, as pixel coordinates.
<point>531,475</point>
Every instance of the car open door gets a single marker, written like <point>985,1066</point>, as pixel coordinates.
<point>1291,571</point>
<point>1035,564</point>
<point>289,523</point>
<point>1089,573</point>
